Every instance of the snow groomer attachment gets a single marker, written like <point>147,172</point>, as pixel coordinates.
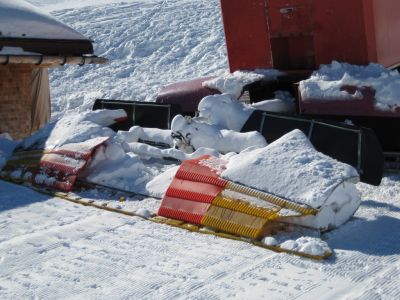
<point>310,190</point>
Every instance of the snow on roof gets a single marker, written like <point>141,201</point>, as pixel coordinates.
<point>19,19</point>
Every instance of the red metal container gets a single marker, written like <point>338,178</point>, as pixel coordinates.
<point>302,34</point>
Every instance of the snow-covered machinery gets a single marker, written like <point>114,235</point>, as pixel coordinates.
<point>300,36</point>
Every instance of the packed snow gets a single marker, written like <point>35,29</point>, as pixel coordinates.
<point>50,248</point>
<point>327,84</point>
<point>233,83</point>
<point>196,134</point>
<point>76,128</point>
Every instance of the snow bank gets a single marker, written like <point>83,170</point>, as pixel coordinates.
<point>159,184</point>
<point>233,83</point>
<point>291,168</point>
<point>326,83</point>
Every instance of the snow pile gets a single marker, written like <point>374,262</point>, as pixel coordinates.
<point>191,134</point>
<point>305,244</point>
<point>219,110</point>
<point>328,81</point>
<point>159,184</point>
<point>7,146</point>
<point>145,151</point>
<point>233,83</point>
<point>308,245</point>
<point>224,111</point>
<point>137,133</point>
<point>75,128</point>
<point>291,168</point>
<point>282,103</point>
<point>112,167</point>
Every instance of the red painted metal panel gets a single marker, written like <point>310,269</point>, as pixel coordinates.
<point>302,34</point>
<point>246,34</point>
<point>187,94</point>
<point>339,32</point>
<point>60,167</point>
<point>184,210</point>
<point>386,14</point>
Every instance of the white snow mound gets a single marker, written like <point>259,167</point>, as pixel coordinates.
<point>218,110</point>
<point>291,168</point>
<point>112,167</point>
<point>325,84</point>
<point>75,128</point>
<point>233,83</point>
<point>196,134</point>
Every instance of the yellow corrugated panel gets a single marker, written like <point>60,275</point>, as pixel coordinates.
<point>245,207</point>
<point>234,222</point>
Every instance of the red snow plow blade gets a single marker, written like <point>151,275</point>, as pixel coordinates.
<point>59,168</point>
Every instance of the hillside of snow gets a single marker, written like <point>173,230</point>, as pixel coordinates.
<point>149,44</point>
<point>54,249</point>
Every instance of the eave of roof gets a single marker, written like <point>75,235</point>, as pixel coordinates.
<point>25,26</point>
<point>50,61</point>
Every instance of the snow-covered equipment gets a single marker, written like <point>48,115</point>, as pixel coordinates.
<point>304,43</point>
<point>354,145</point>
<point>310,189</point>
<point>151,115</point>
<point>196,196</point>
<point>350,144</point>
<point>291,168</point>
<point>60,167</point>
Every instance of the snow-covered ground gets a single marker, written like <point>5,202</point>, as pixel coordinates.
<point>149,43</point>
<point>51,249</point>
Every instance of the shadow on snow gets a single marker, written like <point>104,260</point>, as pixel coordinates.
<point>14,196</point>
